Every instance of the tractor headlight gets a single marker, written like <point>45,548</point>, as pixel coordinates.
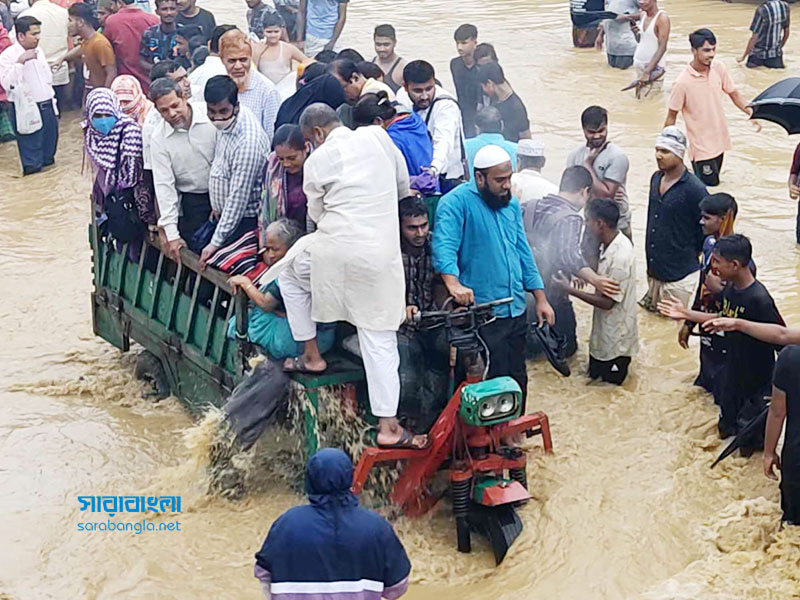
<point>488,407</point>
<point>506,404</point>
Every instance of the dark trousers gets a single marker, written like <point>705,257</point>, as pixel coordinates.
<point>712,361</point>
<point>196,210</point>
<point>770,63</point>
<point>611,371</point>
<point>708,170</point>
<point>566,325</point>
<point>505,339</point>
<point>797,228</point>
<point>424,368</point>
<point>62,97</point>
<point>38,149</point>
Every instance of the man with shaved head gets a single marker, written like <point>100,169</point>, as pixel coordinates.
<point>351,265</point>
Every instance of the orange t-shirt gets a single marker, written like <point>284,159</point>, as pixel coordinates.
<point>98,53</point>
<point>699,97</point>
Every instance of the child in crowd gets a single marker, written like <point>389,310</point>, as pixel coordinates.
<point>746,377</point>
<point>615,335</point>
<point>717,214</point>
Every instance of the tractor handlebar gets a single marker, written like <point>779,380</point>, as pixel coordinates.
<point>436,318</point>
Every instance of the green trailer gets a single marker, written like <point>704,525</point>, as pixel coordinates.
<point>179,314</point>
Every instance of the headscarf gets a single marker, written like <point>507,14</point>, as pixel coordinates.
<point>673,140</point>
<point>125,139</point>
<point>131,97</point>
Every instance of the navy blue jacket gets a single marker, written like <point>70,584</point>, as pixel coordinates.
<point>332,547</point>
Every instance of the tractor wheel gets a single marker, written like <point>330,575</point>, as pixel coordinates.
<point>150,370</point>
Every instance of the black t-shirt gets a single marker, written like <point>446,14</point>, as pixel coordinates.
<point>515,117</point>
<point>750,361</point>
<point>787,379</point>
<point>204,20</point>
<point>468,91</point>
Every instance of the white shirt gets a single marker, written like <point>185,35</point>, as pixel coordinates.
<point>53,40</point>
<point>353,183</point>
<point>181,162</point>
<point>200,76</point>
<point>151,121</point>
<point>446,129</point>
<point>615,332</point>
<point>35,73</point>
<point>529,185</point>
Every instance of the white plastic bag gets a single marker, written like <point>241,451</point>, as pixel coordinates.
<point>28,117</point>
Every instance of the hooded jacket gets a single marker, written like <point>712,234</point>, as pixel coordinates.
<point>411,137</point>
<point>331,548</point>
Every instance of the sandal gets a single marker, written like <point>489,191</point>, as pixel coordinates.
<point>406,442</point>
<point>298,365</point>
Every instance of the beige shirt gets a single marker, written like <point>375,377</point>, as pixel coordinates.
<point>181,162</point>
<point>615,332</point>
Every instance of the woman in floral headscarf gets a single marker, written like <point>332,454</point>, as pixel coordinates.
<point>113,142</point>
<point>131,98</point>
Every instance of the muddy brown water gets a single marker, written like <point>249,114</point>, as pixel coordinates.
<point>627,506</point>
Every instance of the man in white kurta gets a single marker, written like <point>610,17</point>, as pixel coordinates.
<point>350,269</point>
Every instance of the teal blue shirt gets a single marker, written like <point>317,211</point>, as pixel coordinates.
<point>486,249</point>
<point>472,145</point>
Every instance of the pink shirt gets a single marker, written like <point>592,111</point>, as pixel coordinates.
<point>699,97</point>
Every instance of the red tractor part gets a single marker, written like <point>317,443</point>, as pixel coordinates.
<point>449,440</point>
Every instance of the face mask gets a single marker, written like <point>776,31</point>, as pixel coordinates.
<point>224,125</point>
<point>104,124</point>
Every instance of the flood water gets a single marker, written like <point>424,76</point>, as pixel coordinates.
<point>626,507</point>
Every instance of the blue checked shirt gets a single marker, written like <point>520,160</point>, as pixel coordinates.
<point>237,173</point>
<point>263,100</point>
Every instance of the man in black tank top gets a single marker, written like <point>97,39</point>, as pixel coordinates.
<point>392,65</point>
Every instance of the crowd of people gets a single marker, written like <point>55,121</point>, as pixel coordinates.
<point>331,188</point>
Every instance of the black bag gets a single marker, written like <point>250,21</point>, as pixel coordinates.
<point>124,223</point>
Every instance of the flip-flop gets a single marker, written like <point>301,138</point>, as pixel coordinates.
<point>298,365</point>
<point>406,442</point>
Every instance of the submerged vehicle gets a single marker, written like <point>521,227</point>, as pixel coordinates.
<point>179,314</point>
<point>472,440</point>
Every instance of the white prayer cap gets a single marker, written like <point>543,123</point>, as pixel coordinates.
<point>531,148</point>
<point>490,156</point>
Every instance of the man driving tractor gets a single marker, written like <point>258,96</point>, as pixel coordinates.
<point>480,249</point>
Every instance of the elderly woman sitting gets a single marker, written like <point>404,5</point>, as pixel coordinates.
<point>267,325</point>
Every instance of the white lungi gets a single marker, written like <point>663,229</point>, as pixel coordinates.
<point>378,348</point>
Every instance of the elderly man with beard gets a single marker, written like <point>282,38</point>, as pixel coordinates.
<point>482,254</point>
<point>256,92</point>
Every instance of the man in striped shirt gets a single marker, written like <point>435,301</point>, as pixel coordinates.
<point>770,29</point>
